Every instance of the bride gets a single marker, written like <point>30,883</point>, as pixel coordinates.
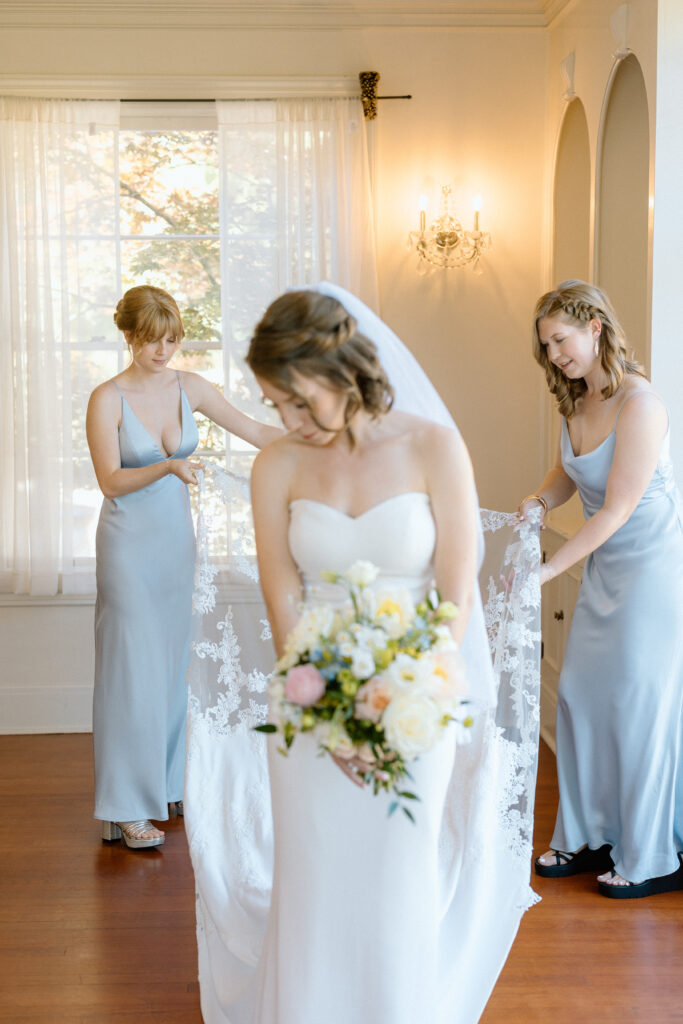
<point>368,917</point>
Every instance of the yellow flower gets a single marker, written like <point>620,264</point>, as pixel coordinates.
<point>389,607</point>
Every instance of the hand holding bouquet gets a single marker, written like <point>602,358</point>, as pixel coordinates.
<point>377,681</point>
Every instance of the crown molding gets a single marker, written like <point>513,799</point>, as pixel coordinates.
<point>154,87</point>
<point>554,9</point>
<point>287,14</point>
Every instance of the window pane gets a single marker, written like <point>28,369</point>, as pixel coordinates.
<point>169,183</point>
<point>187,268</point>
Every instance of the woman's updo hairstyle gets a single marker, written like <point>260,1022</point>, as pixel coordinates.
<point>148,313</point>
<point>314,335</point>
<point>576,302</point>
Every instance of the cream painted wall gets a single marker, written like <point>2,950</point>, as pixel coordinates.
<point>667,261</point>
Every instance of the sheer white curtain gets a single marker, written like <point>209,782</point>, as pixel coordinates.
<point>295,208</point>
<point>58,285</point>
<point>295,201</point>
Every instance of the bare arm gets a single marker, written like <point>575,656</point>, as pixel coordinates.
<point>280,580</point>
<point>451,490</point>
<point>102,425</point>
<point>206,399</point>
<point>640,431</point>
<point>556,489</point>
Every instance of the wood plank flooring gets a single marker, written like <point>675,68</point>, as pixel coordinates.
<point>92,933</point>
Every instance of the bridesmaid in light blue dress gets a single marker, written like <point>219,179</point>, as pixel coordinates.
<point>620,700</point>
<point>141,433</point>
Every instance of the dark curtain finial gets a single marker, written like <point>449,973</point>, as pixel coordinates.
<point>368,93</point>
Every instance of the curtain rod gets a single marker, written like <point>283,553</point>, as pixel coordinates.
<point>368,94</point>
<point>212,99</point>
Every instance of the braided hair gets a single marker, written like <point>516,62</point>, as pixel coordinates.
<point>576,302</point>
<point>313,334</point>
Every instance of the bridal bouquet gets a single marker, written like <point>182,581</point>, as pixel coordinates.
<point>376,681</point>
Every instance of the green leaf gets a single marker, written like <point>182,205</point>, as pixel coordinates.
<point>392,807</point>
<point>408,814</point>
<point>269,727</point>
<point>407,795</point>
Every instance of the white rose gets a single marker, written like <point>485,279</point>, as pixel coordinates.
<point>411,725</point>
<point>362,663</point>
<point>361,574</point>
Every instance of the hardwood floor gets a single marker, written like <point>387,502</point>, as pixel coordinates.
<point>93,933</point>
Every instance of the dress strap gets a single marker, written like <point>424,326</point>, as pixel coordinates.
<point>117,387</point>
<point>638,391</point>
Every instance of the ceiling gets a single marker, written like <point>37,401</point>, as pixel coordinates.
<point>279,13</point>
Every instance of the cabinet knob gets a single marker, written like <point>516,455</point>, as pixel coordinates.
<point>558,615</point>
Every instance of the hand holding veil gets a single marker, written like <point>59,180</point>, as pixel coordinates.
<point>485,846</point>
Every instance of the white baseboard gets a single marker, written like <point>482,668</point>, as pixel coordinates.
<point>43,709</point>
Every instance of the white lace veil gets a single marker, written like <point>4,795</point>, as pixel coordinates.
<point>487,834</point>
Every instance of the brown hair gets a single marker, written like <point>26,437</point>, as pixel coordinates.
<point>314,335</point>
<point>148,313</point>
<point>576,302</point>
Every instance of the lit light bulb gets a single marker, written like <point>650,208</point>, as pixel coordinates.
<point>422,206</point>
<point>476,203</point>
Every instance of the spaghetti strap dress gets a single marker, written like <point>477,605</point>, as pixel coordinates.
<point>145,564</point>
<point>620,700</point>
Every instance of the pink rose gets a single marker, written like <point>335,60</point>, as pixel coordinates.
<point>372,698</point>
<point>304,685</point>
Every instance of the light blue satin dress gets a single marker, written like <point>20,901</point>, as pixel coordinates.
<point>619,714</point>
<point>145,565</point>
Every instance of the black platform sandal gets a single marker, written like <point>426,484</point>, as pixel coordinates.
<point>575,863</point>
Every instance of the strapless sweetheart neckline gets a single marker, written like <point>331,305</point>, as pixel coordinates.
<point>366,512</point>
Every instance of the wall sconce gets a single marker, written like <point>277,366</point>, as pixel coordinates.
<point>445,243</point>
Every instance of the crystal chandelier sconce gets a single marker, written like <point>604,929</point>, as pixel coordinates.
<point>445,243</point>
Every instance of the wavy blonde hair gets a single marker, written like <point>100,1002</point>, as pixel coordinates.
<point>315,335</point>
<point>577,303</point>
<point>148,313</point>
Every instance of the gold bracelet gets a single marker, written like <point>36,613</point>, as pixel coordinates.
<point>537,497</point>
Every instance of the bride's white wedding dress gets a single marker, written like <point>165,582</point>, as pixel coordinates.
<point>354,917</point>
<point>318,908</point>
<point>349,914</point>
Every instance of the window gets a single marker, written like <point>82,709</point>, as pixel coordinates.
<point>167,235</point>
<point>101,196</point>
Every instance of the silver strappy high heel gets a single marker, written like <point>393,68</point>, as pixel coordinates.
<point>132,833</point>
